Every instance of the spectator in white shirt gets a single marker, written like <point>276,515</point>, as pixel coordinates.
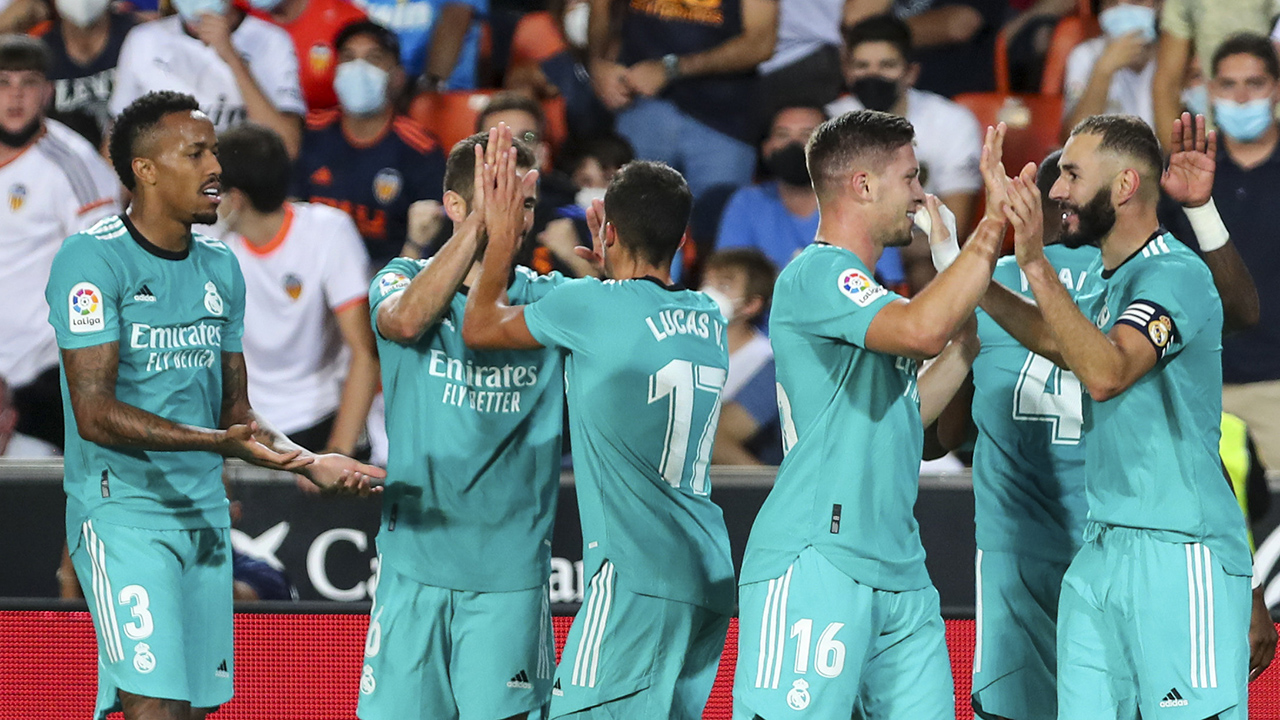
<point>240,69</point>
<point>881,76</point>
<point>308,344</point>
<point>55,184</point>
<point>1112,74</point>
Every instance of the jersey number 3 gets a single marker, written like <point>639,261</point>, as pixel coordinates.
<point>1047,393</point>
<point>677,382</point>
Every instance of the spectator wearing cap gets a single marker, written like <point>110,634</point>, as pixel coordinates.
<point>364,157</point>
<point>56,185</point>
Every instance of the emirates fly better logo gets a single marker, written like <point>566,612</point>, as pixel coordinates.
<point>84,305</point>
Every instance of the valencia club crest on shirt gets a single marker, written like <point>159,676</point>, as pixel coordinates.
<point>292,286</point>
<point>386,185</point>
<point>320,58</point>
<point>17,196</point>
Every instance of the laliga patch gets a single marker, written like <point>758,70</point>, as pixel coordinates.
<point>859,288</point>
<point>392,282</point>
<point>1160,330</point>
<point>84,308</point>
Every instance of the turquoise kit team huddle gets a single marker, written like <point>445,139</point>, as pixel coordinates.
<point>837,613</point>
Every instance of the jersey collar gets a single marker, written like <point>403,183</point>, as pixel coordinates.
<point>674,287</point>
<point>1106,274</point>
<point>151,247</point>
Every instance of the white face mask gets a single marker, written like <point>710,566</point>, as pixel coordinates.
<point>727,306</point>
<point>576,20</point>
<point>81,13</point>
<point>584,196</point>
<point>361,87</point>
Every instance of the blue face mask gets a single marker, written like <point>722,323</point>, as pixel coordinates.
<point>265,5</point>
<point>1196,100</point>
<point>191,10</point>
<point>1120,20</point>
<point>1243,121</point>
<point>361,87</point>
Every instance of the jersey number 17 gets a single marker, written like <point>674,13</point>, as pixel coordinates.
<point>680,382</point>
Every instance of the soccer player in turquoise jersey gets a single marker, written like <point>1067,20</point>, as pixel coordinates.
<point>838,616</point>
<point>644,362</point>
<point>460,626</point>
<point>149,318</point>
<point>1155,610</point>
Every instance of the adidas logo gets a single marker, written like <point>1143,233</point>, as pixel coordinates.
<point>145,295</point>
<point>520,681</point>
<point>222,666</point>
<point>555,689</point>
<point>1173,699</point>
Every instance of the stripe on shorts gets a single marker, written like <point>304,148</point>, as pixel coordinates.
<point>103,594</point>
<point>773,627</point>
<point>1200,610</point>
<point>586,662</point>
<point>977,645</point>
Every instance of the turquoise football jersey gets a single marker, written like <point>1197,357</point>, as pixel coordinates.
<point>1028,461</point>
<point>644,367</point>
<point>172,315</point>
<point>850,429</point>
<point>474,457</point>
<point>1152,451</point>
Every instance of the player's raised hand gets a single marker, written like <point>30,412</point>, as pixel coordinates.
<point>991,165</point>
<point>479,191</point>
<point>504,208</point>
<point>238,441</point>
<point>1192,162</point>
<point>337,473</point>
<point>596,224</point>
<point>1027,217</point>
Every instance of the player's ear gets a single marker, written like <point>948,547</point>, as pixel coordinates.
<point>1125,186</point>
<point>752,308</point>
<point>144,169</point>
<point>455,206</point>
<point>860,184</point>
<point>611,235</point>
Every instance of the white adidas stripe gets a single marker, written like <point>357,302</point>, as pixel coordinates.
<point>96,577</point>
<point>587,660</point>
<point>1200,607</point>
<point>782,626</point>
<point>106,597</point>
<point>773,627</point>
<point>761,663</point>
<point>977,645</point>
<point>544,621</point>
<point>604,624</point>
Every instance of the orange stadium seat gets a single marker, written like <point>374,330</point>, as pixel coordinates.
<point>452,116</point>
<point>1070,32</point>
<point>536,38</point>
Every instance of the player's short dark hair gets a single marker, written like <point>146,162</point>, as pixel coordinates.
<point>611,150</point>
<point>760,271</point>
<point>885,28</point>
<point>385,39</point>
<point>139,119</point>
<point>460,168</point>
<point>1125,135</point>
<point>23,52</point>
<point>1048,172</point>
<point>648,203</point>
<point>1248,43</point>
<point>865,138</point>
<point>255,162</point>
<point>510,100</point>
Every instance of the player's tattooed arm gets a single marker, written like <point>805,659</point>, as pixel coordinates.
<point>490,322</point>
<point>405,316</point>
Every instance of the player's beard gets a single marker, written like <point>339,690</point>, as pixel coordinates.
<point>205,217</point>
<point>23,136</point>
<point>1094,219</point>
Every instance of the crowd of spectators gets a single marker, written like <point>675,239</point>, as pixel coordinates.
<point>336,104</point>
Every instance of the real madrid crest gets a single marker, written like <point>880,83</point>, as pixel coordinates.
<point>386,185</point>
<point>17,196</point>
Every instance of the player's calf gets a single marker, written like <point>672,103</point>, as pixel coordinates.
<point>138,707</point>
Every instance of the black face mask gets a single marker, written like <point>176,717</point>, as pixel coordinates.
<point>23,136</point>
<point>788,165</point>
<point>875,92</point>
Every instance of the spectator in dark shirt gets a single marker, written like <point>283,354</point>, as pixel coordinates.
<point>84,46</point>
<point>365,158</point>
<point>1244,87</point>
<point>741,282</point>
<point>682,77</point>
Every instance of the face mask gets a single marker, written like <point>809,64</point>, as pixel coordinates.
<point>1120,20</point>
<point>1243,121</point>
<point>875,92</point>
<point>1196,100</point>
<point>575,24</point>
<point>788,165</point>
<point>725,302</point>
<point>584,196</point>
<point>191,10</point>
<point>81,13</point>
<point>23,136</point>
<point>361,87</point>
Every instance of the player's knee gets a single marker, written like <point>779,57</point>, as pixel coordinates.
<point>140,707</point>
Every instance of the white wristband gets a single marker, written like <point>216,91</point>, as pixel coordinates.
<point>1207,224</point>
<point>944,253</point>
<point>1257,578</point>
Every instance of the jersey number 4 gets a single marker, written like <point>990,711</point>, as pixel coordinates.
<point>1047,393</point>
<point>676,383</point>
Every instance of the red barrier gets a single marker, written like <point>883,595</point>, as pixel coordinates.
<point>308,667</point>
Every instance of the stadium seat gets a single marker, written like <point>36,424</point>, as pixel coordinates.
<point>1034,122</point>
<point>536,38</point>
<point>1070,32</point>
<point>451,116</point>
